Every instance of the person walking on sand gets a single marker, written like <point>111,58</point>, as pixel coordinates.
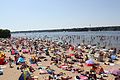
<point>10,62</point>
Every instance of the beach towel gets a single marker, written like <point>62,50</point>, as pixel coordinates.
<point>42,67</point>
<point>24,76</point>
<point>50,71</point>
<point>21,60</point>
<point>34,65</point>
<point>43,71</point>
<point>25,51</point>
<point>83,77</point>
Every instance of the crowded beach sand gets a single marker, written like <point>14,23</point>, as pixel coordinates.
<point>38,59</point>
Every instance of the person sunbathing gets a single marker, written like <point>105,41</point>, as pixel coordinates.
<point>66,78</point>
<point>79,70</point>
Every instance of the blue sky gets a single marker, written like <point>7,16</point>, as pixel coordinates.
<point>24,15</point>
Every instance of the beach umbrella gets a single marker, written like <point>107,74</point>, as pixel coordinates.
<point>2,55</point>
<point>2,58</point>
<point>90,62</point>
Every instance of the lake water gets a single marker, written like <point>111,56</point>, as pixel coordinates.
<point>102,38</point>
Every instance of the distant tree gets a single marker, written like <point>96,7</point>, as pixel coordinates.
<point>5,33</point>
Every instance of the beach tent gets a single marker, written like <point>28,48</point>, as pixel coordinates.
<point>2,55</point>
<point>90,62</point>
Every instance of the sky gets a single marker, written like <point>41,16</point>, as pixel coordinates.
<point>22,15</point>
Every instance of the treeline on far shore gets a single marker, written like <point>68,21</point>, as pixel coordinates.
<point>110,28</point>
<point>5,33</point>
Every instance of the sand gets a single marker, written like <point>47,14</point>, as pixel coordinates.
<point>13,73</point>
